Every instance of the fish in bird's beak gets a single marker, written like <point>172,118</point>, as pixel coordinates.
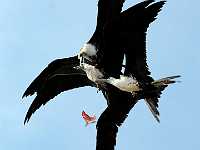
<point>88,119</point>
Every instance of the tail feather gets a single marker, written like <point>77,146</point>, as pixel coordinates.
<point>165,81</point>
<point>153,108</point>
<point>161,84</point>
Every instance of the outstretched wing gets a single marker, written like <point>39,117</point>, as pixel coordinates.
<point>59,76</point>
<point>109,56</point>
<point>119,105</point>
<point>58,66</point>
<point>54,86</point>
<point>134,24</point>
<point>107,11</point>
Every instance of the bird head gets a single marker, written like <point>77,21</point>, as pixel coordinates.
<point>87,53</point>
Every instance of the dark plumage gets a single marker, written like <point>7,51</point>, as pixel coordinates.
<point>120,103</point>
<point>58,66</point>
<point>60,75</point>
<point>125,34</point>
<point>118,33</point>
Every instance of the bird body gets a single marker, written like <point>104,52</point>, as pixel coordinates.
<point>118,33</point>
<point>124,83</point>
<point>131,85</point>
<point>88,51</point>
<point>92,72</point>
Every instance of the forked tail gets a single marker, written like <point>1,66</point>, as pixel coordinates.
<point>160,85</point>
<point>163,82</point>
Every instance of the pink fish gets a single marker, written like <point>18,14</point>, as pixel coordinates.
<point>88,119</point>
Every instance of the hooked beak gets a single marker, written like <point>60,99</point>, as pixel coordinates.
<point>84,58</point>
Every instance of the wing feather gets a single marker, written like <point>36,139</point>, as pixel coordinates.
<point>55,86</point>
<point>134,24</point>
<point>55,67</point>
<point>107,11</point>
<point>57,77</point>
<point>119,105</point>
<point>105,37</point>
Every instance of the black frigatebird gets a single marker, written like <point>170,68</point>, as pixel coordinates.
<point>125,34</point>
<point>117,33</point>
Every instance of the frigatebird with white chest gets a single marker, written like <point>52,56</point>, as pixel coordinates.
<point>125,34</point>
<point>100,60</point>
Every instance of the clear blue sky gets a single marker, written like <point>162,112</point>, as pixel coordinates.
<point>35,32</point>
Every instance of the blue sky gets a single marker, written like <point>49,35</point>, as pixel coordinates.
<point>35,32</point>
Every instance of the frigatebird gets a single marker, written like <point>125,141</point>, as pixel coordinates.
<point>117,33</point>
<point>125,35</point>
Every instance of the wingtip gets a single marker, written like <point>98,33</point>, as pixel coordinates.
<point>162,2</point>
<point>157,119</point>
<point>24,95</point>
<point>27,117</point>
<point>25,121</point>
<point>177,76</point>
<point>174,77</point>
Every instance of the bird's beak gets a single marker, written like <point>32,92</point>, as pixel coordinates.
<point>88,58</point>
<point>84,58</point>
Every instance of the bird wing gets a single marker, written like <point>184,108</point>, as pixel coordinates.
<point>109,56</point>
<point>134,24</point>
<point>107,10</point>
<point>119,105</point>
<point>59,76</point>
<point>55,67</point>
<point>54,86</point>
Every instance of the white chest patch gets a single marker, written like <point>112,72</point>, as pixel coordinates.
<point>92,73</point>
<point>125,83</point>
<point>88,49</point>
